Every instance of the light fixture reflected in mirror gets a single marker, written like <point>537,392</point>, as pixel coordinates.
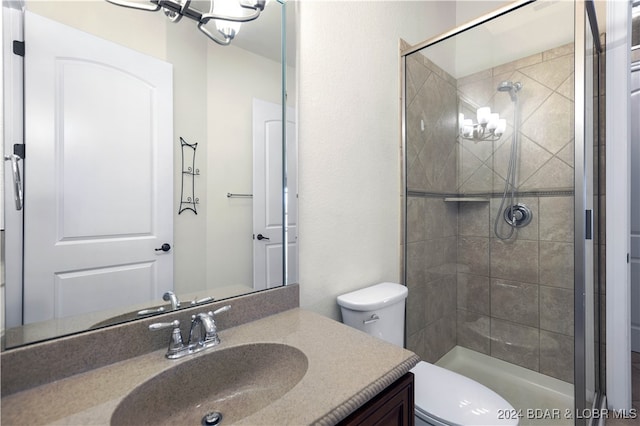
<point>227,14</point>
<point>489,126</point>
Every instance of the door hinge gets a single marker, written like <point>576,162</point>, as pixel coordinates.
<point>589,225</point>
<point>18,47</point>
<point>19,150</point>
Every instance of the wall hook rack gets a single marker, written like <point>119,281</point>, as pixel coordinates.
<point>188,200</point>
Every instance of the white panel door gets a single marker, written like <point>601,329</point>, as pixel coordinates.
<point>635,208</point>
<point>268,196</point>
<point>98,173</point>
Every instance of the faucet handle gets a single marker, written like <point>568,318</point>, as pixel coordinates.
<point>163,325</point>
<point>220,310</point>
<point>176,346</point>
<point>201,301</point>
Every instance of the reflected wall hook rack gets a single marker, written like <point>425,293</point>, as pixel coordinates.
<point>188,202</point>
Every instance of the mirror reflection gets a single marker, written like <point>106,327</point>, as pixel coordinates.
<point>153,176</point>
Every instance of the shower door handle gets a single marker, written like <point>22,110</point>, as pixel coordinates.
<point>589,224</point>
<point>17,181</point>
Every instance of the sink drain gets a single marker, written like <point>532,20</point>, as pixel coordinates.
<point>212,419</point>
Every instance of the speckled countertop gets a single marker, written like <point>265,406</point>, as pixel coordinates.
<point>345,368</point>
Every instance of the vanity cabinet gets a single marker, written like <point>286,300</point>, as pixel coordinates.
<point>393,406</point>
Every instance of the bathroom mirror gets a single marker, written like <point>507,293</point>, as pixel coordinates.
<point>227,100</point>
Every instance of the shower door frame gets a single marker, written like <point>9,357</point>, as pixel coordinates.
<point>581,8</point>
<point>585,255</point>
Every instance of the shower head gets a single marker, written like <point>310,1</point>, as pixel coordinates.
<point>511,87</point>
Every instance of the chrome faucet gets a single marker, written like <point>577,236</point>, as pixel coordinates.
<point>177,349</point>
<point>170,296</point>
<point>203,334</point>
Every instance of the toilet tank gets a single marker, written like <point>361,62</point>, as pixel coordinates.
<point>377,310</point>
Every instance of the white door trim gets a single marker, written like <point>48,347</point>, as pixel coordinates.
<point>13,66</point>
<point>618,352</point>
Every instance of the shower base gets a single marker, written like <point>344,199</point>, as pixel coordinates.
<point>537,399</point>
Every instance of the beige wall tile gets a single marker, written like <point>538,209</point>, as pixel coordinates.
<point>552,73</point>
<point>473,293</point>
<point>566,89</point>
<point>566,154</point>
<point>465,284</point>
<point>565,49</point>
<point>417,176</point>
<point>556,310</point>
<point>416,268</point>
<point>474,331</point>
<point>473,255</point>
<point>480,181</point>
<point>416,343</point>
<point>473,219</point>
<point>556,264</point>
<point>554,174</point>
<point>417,72</point>
<point>532,157</point>
<point>416,217</point>
<point>515,343</point>
<point>551,125</point>
<point>556,356</point>
<point>514,260</point>
<point>416,309</point>
<point>515,301</point>
<point>556,218</point>
<point>440,338</point>
<point>519,63</point>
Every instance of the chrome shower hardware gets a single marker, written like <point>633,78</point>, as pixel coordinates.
<point>513,217</point>
<point>518,215</point>
<point>511,87</point>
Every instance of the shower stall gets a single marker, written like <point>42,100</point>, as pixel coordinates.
<point>502,205</point>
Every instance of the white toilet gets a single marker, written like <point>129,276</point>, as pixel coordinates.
<point>442,397</point>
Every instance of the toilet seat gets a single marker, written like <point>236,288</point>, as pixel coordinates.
<point>443,397</point>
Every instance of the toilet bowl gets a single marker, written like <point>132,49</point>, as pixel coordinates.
<point>442,397</point>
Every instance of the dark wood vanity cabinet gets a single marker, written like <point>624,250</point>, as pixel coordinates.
<point>392,407</point>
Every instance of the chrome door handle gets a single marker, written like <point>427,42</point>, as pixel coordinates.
<point>261,237</point>
<point>17,182</point>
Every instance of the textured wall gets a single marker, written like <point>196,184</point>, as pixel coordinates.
<point>349,127</point>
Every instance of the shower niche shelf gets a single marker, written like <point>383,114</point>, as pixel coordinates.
<point>466,199</point>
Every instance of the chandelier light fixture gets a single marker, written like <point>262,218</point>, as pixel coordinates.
<point>489,125</point>
<point>226,14</point>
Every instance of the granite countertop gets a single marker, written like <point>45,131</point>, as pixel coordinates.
<point>346,368</point>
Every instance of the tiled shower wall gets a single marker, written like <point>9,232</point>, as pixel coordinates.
<point>432,237</point>
<point>510,299</point>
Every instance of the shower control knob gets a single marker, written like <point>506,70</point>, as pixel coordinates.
<point>518,215</point>
<point>165,247</point>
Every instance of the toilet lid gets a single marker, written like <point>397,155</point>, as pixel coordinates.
<point>375,297</point>
<point>457,400</point>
